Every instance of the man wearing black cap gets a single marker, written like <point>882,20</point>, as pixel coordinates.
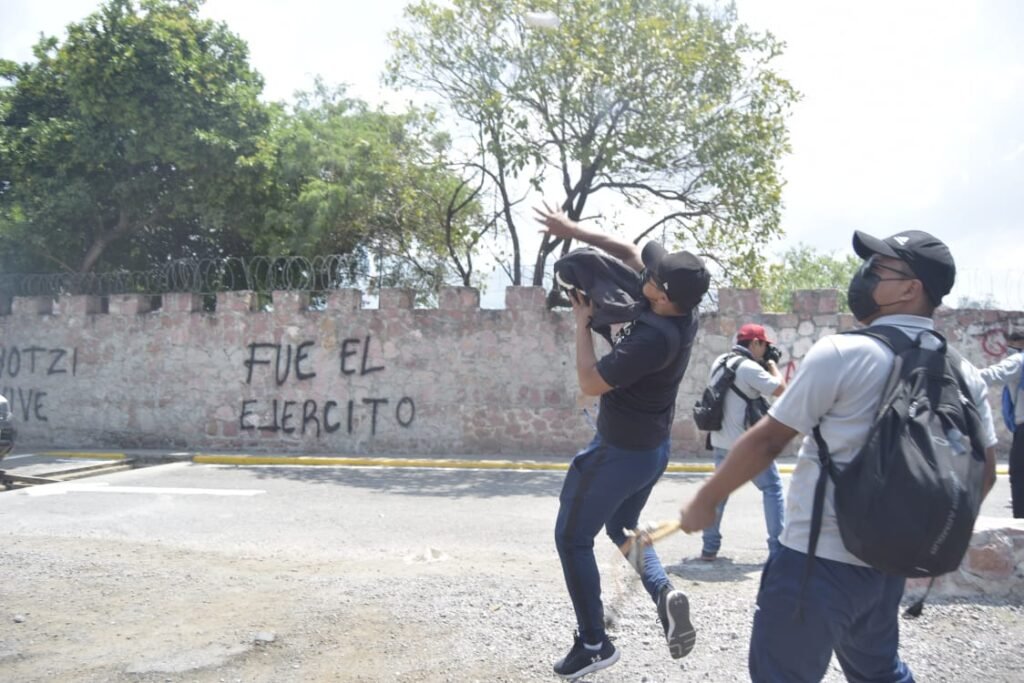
<point>609,481</point>
<point>845,607</point>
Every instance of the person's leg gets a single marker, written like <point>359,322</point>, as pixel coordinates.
<point>770,484</point>
<point>712,536</point>
<point>1017,472</point>
<point>869,650</point>
<point>575,529</point>
<point>791,639</point>
<point>637,473</point>
<point>600,481</point>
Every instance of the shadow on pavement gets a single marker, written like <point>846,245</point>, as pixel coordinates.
<point>722,569</point>
<point>446,483</point>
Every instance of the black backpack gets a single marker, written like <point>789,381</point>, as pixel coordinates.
<point>907,502</point>
<point>709,409</point>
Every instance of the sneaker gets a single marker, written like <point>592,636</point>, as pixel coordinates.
<point>674,612</point>
<point>581,661</point>
<point>708,557</point>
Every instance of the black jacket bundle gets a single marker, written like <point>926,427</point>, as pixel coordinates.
<point>615,290</point>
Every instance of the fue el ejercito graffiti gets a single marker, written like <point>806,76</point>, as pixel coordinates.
<point>302,415</point>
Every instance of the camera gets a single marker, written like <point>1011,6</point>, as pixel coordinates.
<point>772,353</point>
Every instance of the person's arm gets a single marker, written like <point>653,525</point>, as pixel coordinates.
<point>591,382</point>
<point>558,224</point>
<point>750,455</point>
<point>772,369</point>
<point>1003,371</point>
<point>990,470</point>
<point>765,379</point>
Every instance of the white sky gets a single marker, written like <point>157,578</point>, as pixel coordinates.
<point>912,113</point>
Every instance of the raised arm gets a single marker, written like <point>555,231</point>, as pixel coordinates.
<point>558,224</point>
<point>1003,371</point>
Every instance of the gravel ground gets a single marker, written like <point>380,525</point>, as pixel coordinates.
<point>463,588</point>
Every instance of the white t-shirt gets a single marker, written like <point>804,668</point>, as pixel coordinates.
<point>751,379</point>
<point>1007,372</point>
<point>837,387</point>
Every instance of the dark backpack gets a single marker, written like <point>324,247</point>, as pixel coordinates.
<point>907,502</point>
<point>710,408</point>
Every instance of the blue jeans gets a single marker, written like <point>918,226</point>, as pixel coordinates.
<point>846,608</point>
<point>770,485</point>
<point>604,487</point>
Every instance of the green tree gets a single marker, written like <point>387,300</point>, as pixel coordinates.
<point>129,143</point>
<point>802,267</point>
<point>347,179</point>
<point>669,107</point>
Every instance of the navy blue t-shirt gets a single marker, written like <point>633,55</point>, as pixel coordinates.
<point>637,414</point>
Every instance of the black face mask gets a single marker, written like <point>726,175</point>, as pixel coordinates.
<point>861,293</point>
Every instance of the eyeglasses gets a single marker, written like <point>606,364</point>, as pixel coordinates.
<point>871,265</point>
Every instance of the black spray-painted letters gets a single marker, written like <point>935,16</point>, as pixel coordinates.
<point>37,360</point>
<point>308,416</point>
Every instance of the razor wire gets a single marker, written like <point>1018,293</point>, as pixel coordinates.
<point>199,276</point>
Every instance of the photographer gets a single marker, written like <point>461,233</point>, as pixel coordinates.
<point>757,377</point>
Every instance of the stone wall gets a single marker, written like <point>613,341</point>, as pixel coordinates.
<point>84,372</point>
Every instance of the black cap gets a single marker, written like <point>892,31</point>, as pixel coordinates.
<point>927,256</point>
<point>681,275</point>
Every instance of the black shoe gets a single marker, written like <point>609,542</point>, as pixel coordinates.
<point>674,612</point>
<point>580,661</point>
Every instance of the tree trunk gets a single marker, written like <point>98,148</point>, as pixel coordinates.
<point>102,241</point>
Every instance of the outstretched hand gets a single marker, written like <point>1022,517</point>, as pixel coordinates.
<point>696,517</point>
<point>555,221</point>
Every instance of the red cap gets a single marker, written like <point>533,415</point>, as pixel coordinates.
<point>752,331</point>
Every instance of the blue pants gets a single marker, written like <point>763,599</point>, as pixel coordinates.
<point>849,609</point>
<point>604,487</point>
<point>770,485</point>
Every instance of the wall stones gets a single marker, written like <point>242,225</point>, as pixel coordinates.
<point>340,378</point>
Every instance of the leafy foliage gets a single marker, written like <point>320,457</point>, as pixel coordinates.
<point>141,140</point>
<point>129,141</point>
<point>345,179</point>
<point>667,106</point>
<point>802,267</point>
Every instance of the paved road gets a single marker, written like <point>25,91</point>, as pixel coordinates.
<point>272,573</point>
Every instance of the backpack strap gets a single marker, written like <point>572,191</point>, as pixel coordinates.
<point>732,384</point>
<point>891,336</point>
<point>1009,402</point>
<point>826,471</point>
<point>898,342</point>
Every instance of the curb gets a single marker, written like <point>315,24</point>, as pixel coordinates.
<point>358,461</point>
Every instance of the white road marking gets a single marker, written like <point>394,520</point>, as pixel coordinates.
<point>101,487</point>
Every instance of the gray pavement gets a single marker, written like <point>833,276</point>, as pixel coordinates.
<point>197,572</point>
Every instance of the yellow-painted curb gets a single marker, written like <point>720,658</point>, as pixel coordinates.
<point>301,460</point>
<point>420,462</point>
<point>375,462</point>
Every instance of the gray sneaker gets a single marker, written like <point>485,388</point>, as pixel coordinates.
<point>674,612</point>
<point>581,661</point>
